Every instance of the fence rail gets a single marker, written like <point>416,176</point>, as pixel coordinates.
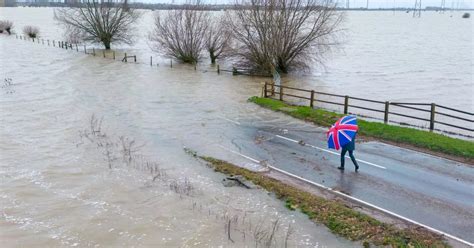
<point>314,96</point>
<point>272,90</point>
<point>92,51</point>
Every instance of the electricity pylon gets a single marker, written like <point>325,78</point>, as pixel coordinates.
<point>417,9</point>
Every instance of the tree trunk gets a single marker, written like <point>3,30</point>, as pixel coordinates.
<point>107,45</point>
<point>213,57</point>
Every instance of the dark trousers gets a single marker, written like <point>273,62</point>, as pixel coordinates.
<point>351,154</point>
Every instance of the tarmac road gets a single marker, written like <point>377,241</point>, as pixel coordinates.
<point>433,191</point>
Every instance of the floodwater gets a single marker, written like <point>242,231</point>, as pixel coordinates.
<point>92,149</point>
<point>92,155</point>
<point>384,55</point>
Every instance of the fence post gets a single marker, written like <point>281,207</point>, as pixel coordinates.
<point>48,42</point>
<point>194,65</point>
<point>103,53</point>
<point>65,43</point>
<point>33,40</point>
<point>135,58</point>
<point>171,63</point>
<point>77,48</point>
<point>432,117</point>
<point>385,114</point>
<point>346,104</point>
<point>114,55</point>
<point>281,93</point>
<point>151,60</point>
<point>312,99</point>
<point>218,69</point>
<point>125,58</point>
<point>265,92</point>
<point>54,43</point>
<point>93,51</point>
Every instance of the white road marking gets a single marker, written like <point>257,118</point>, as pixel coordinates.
<point>353,198</point>
<point>229,120</point>
<point>240,154</point>
<point>329,151</point>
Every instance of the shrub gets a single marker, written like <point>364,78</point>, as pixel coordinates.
<point>6,25</point>
<point>31,31</point>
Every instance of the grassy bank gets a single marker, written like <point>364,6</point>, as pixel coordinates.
<point>402,135</point>
<point>335,215</point>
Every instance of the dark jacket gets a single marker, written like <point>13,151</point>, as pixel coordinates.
<point>351,145</point>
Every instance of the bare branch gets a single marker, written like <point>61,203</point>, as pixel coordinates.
<point>180,33</point>
<point>104,22</point>
<point>284,34</point>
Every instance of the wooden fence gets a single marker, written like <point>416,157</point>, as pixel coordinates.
<point>125,58</point>
<point>383,107</point>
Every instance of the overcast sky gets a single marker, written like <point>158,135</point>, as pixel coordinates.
<point>360,3</point>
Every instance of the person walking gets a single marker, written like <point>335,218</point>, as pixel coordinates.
<point>349,147</point>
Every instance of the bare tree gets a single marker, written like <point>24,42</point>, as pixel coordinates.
<point>31,31</point>
<point>286,34</point>
<point>103,22</point>
<point>181,33</point>
<point>218,39</point>
<point>6,25</point>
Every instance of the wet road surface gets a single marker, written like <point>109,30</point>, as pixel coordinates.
<point>433,191</point>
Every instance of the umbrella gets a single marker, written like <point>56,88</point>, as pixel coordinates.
<point>342,132</point>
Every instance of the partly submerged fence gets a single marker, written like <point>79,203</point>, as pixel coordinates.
<point>435,114</point>
<point>124,57</point>
<point>431,113</point>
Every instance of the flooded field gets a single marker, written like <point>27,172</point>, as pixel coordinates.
<point>92,149</point>
<point>427,59</point>
<point>70,179</point>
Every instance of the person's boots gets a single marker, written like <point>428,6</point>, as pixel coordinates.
<point>357,168</point>
<point>340,168</point>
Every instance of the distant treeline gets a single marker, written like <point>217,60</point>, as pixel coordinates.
<point>208,7</point>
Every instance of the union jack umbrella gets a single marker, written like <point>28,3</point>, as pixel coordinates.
<point>342,132</point>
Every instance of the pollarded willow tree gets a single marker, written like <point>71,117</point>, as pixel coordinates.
<point>218,39</point>
<point>181,33</point>
<point>284,34</point>
<point>104,21</point>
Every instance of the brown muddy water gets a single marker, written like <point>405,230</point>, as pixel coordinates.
<point>383,55</point>
<point>65,183</point>
<point>122,179</point>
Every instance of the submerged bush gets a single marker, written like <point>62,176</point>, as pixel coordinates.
<point>31,31</point>
<point>6,25</point>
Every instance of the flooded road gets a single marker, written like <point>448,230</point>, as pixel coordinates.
<point>64,183</point>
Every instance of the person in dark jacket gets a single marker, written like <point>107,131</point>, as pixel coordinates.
<point>348,147</point>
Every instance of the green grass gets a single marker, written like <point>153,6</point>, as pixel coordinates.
<point>340,219</point>
<point>403,135</point>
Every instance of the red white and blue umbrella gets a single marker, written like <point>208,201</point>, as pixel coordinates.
<point>342,132</point>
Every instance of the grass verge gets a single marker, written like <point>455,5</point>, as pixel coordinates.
<point>340,219</point>
<point>434,142</point>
